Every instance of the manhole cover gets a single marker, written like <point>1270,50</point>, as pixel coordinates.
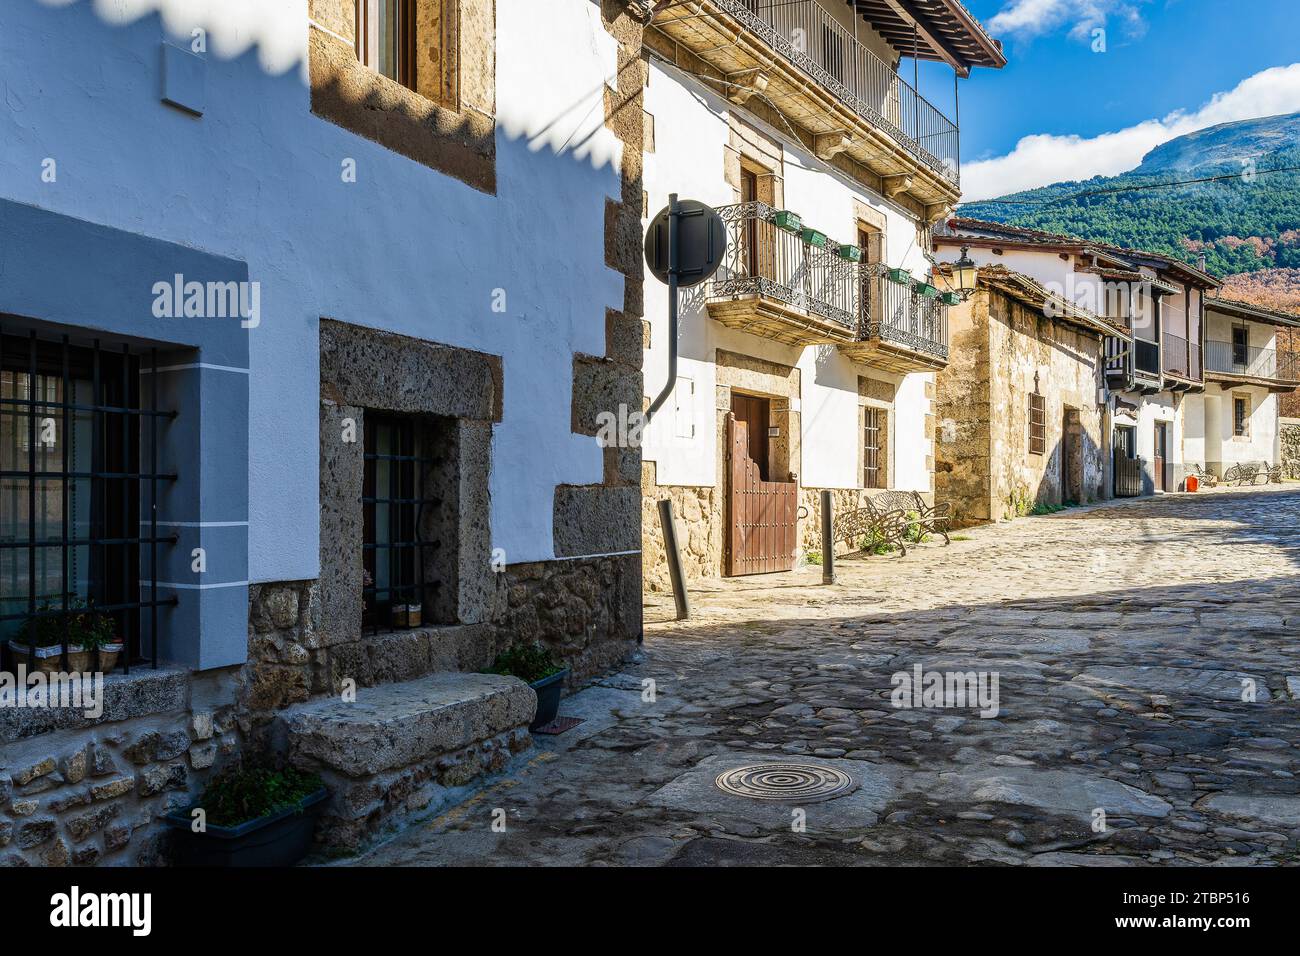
<point>792,782</point>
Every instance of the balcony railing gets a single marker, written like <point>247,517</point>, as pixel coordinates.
<point>1146,358</point>
<point>807,35</point>
<point>906,318</point>
<point>1233,358</point>
<point>766,261</point>
<point>1182,358</point>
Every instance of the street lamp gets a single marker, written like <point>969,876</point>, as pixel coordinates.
<point>965,272</point>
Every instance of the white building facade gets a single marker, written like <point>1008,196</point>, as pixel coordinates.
<point>806,363</point>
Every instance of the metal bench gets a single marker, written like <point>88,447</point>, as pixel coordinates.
<point>1250,473</point>
<point>1242,473</point>
<point>1207,478</point>
<point>892,518</point>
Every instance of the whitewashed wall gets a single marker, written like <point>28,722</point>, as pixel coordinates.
<point>691,135</point>
<point>404,248</point>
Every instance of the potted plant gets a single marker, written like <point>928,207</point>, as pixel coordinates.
<point>534,665</point>
<point>99,636</point>
<point>252,816</point>
<point>45,630</point>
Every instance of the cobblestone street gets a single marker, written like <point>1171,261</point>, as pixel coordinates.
<point>1128,641</point>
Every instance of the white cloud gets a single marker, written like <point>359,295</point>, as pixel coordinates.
<point>1045,158</point>
<point>1028,18</point>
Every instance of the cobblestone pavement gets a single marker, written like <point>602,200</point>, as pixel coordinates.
<point>1124,638</point>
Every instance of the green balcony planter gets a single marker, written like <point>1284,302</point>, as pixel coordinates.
<point>925,290</point>
<point>950,298</point>
<point>787,220</point>
<point>813,237</point>
<point>849,253</point>
<point>901,276</point>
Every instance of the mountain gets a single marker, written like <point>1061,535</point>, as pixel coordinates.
<point>1248,223</point>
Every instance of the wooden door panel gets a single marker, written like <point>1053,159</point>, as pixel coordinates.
<point>761,515</point>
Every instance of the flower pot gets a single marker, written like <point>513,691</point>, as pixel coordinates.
<point>901,276</point>
<point>106,656</point>
<point>548,690</point>
<point>279,839</point>
<point>787,220</point>
<point>813,237</point>
<point>849,253</point>
<point>49,660</point>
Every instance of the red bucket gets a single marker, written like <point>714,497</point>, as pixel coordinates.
<point>1193,483</point>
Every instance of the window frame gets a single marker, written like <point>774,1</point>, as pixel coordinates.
<point>1037,423</point>
<point>369,15</point>
<point>875,462</point>
<point>1241,423</point>
<point>121,489</point>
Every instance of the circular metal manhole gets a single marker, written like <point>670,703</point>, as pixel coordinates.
<point>787,782</point>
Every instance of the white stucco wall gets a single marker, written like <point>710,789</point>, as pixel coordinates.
<point>691,135</point>
<point>404,248</point>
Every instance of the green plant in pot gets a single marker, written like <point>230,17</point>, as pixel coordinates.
<point>91,637</point>
<point>250,816</point>
<point>536,666</point>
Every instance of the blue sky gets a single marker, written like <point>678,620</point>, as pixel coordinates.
<point>1164,63</point>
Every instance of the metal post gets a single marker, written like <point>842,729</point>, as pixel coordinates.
<point>674,266</point>
<point>828,542</point>
<point>674,559</point>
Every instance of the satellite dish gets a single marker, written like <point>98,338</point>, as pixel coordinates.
<point>701,243</point>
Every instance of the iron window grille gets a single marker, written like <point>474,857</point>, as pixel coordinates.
<point>871,459</point>
<point>1037,424</point>
<point>395,504</point>
<point>73,490</point>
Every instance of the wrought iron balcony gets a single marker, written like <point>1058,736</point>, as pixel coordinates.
<point>1239,361</point>
<point>799,288</point>
<point>901,330</point>
<point>1182,358</point>
<point>855,96</point>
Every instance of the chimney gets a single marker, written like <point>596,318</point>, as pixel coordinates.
<point>1200,262</point>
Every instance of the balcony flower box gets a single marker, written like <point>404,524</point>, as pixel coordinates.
<point>787,220</point>
<point>950,298</point>
<point>849,253</point>
<point>813,237</point>
<point>925,290</point>
<point>901,276</point>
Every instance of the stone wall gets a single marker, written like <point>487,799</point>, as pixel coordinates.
<point>963,438</point>
<point>95,793</point>
<point>1002,350</point>
<point>1290,440</point>
<point>699,535</point>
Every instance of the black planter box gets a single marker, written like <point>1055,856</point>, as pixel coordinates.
<point>548,690</point>
<point>281,839</point>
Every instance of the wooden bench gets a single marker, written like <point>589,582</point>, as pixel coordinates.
<point>892,518</point>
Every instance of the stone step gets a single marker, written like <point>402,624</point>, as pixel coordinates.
<point>397,725</point>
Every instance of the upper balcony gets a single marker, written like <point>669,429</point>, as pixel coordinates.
<point>1236,363</point>
<point>796,286</point>
<point>856,103</point>
<point>1182,362</point>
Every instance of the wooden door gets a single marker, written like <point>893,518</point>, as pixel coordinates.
<point>1162,452</point>
<point>755,412</point>
<point>761,515</point>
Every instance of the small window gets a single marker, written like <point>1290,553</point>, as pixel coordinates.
<point>1037,424</point>
<point>394,504</point>
<point>386,38</point>
<point>1240,416</point>
<point>873,458</point>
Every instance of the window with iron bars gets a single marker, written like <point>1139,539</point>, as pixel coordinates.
<point>873,458</point>
<point>79,542</point>
<point>396,505</point>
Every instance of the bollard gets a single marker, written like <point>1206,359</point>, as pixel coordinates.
<point>828,543</point>
<point>674,559</point>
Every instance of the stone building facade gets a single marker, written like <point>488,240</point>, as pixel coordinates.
<point>1019,422</point>
<point>378,208</point>
<point>801,367</point>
